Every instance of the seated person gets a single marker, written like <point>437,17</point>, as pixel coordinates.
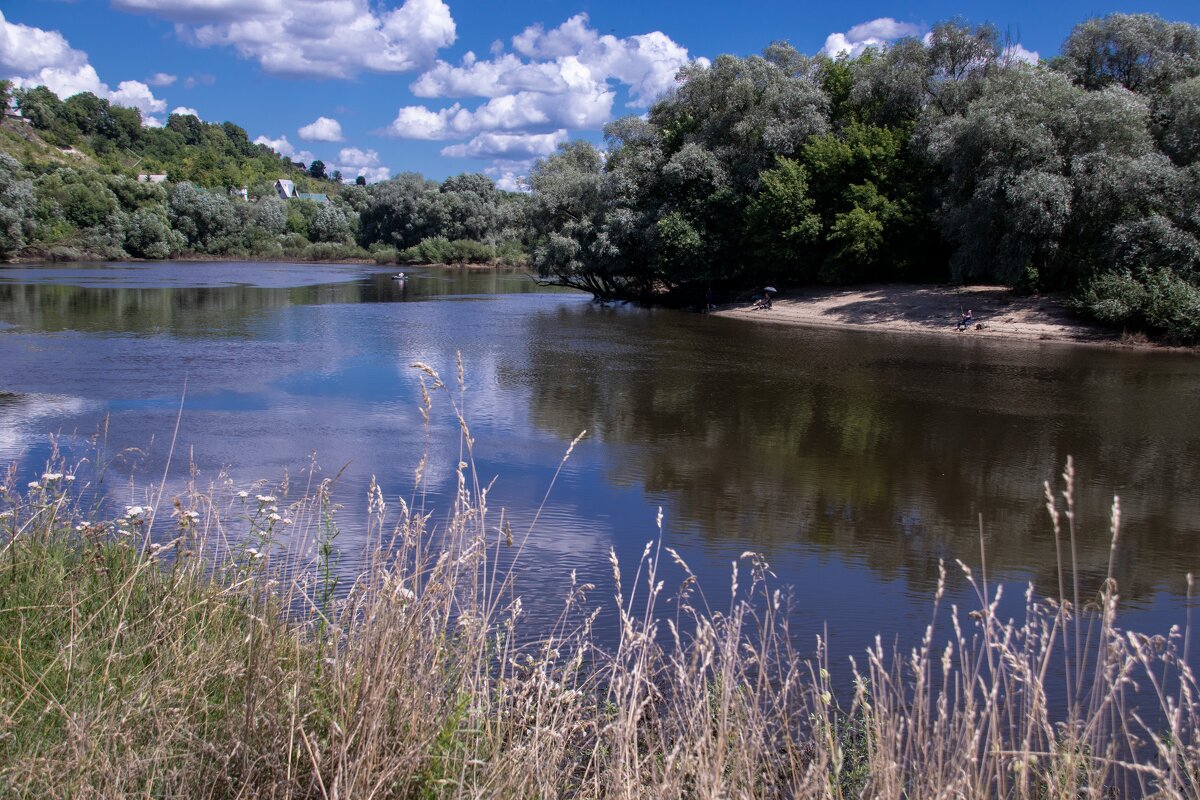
<point>763,302</point>
<point>966,320</point>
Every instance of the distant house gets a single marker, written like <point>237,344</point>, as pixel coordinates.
<point>243,192</point>
<point>285,189</point>
<point>316,197</point>
<point>14,115</point>
<point>300,165</point>
<point>162,178</point>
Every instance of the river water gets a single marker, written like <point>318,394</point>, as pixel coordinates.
<point>853,461</point>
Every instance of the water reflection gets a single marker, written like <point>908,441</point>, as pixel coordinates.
<point>217,299</point>
<point>884,451</point>
<point>854,461</point>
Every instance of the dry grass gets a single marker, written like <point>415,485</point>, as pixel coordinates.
<point>227,664</point>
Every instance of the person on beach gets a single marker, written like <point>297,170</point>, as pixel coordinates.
<point>966,320</point>
<point>708,300</point>
<point>763,302</point>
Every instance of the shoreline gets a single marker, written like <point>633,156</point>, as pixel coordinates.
<point>931,309</point>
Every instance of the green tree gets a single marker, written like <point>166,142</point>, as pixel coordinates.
<point>317,169</point>
<point>568,190</point>
<point>1011,173</point>
<point>149,235</point>
<point>329,224</point>
<point>17,206</point>
<point>396,211</point>
<point>784,224</point>
<point>1140,52</point>
<point>1177,122</point>
<point>208,221</point>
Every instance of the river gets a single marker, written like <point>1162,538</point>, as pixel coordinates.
<point>853,461</point>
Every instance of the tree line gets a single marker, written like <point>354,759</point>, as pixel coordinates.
<point>937,159</point>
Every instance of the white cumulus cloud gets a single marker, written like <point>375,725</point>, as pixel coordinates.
<point>352,162</point>
<point>876,33</point>
<point>186,111</point>
<point>562,60</point>
<point>551,82</point>
<point>1015,52</point>
<point>508,145</point>
<point>587,108</point>
<point>511,176</point>
<point>353,157</point>
<point>285,149</point>
<point>313,38</point>
<point>162,79</point>
<point>32,56</point>
<point>322,129</point>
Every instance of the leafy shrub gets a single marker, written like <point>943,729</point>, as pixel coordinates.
<point>209,221</point>
<point>385,255</point>
<point>150,236</point>
<point>1158,301</point>
<point>439,250</point>
<point>512,253</point>
<point>329,224</point>
<point>17,204</point>
<point>334,251</point>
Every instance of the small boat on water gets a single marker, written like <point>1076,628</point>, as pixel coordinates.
<point>399,276</point>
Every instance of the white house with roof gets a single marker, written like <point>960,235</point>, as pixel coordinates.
<point>152,178</point>
<point>285,189</point>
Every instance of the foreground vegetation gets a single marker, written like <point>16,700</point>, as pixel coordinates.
<point>205,648</point>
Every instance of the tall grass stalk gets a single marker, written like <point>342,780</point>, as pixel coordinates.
<point>212,662</point>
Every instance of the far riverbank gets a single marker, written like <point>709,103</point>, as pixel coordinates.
<point>999,313</point>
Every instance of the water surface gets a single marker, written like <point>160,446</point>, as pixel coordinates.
<point>854,461</point>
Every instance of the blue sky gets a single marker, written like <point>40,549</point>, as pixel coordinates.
<point>447,86</point>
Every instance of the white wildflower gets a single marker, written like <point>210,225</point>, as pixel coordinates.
<point>134,511</point>
<point>34,485</point>
<point>273,517</point>
<point>264,498</point>
<point>243,495</point>
<point>68,478</point>
<point>52,476</point>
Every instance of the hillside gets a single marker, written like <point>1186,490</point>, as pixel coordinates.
<point>83,179</point>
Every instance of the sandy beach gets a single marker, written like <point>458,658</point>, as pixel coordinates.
<point>929,309</point>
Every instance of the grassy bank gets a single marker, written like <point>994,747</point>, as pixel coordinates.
<point>201,647</point>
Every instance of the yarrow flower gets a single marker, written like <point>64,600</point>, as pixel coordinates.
<point>264,498</point>
<point>34,485</point>
<point>52,476</point>
<point>243,495</point>
<point>134,511</point>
